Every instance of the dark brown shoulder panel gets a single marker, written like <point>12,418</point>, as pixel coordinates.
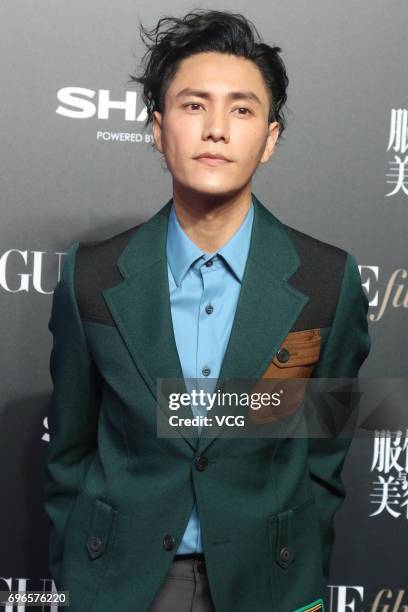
<point>319,276</point>
<point>96,270</point>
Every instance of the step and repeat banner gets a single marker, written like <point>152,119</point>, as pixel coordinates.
<point>78,165</point>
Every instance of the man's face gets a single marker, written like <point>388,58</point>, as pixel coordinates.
<point>217,104</point>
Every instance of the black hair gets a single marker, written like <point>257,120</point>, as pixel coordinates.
<point>173,39</point>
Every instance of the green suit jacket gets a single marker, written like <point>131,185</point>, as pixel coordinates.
<point>119,497</point>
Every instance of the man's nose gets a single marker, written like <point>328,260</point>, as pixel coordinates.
<point>216,126</point>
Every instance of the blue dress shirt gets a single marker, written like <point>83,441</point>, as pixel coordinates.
<point>204,291</point>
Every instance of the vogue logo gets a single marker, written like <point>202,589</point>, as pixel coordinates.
<point>79,99</point>
<point>23,270</point>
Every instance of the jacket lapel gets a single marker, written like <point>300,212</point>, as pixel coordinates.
<point>140,305</point>
<point>267,307</point>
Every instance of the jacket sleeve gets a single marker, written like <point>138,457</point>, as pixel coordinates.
<point>346,348</point>
<point>72,411</point>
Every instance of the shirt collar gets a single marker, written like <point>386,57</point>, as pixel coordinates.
<point>182,252</point>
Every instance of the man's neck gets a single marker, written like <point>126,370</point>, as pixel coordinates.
<point>210,222</point>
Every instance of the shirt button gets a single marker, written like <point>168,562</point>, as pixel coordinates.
<point>206,371</point>
<point>209,263</point>
<point>168,542</point>
<point>209,309</point>
<point>283,355</point>
<point>201,463</point>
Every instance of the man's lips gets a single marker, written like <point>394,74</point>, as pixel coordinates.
<point>212,161</point>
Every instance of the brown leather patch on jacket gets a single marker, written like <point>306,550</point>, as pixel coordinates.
<point>296,358</point>
<point>298,354</point>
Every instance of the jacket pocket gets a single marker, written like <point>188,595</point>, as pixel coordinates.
<point>297,355</point>
<point>295,556</point>
<point>88,545</point>
<point>292,366</point>
<point>103,517</point>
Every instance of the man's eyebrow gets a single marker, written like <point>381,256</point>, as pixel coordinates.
<point>234,95</point>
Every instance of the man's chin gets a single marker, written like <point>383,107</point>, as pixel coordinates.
<point>211,190</point>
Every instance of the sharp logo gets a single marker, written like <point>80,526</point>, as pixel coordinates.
<point>83,103</point>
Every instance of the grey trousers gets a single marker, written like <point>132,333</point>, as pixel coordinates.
<point>185,589</point>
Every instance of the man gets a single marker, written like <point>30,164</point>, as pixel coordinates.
<point>213,285</point>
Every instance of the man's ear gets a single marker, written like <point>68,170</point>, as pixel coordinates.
<point>273,133</point>
<point>157,130</point>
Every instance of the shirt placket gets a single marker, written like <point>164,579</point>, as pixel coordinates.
<point>206,364</point>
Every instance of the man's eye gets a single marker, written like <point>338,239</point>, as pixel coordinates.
<point>247,111</point>
<point>192,104</point>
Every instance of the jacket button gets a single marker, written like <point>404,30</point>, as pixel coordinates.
<point>285,554</point>
<point>94,543</point>
<point>201,568</point>
<point>201,463</point>
<point>283,355</point>
<point>168,542</point>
